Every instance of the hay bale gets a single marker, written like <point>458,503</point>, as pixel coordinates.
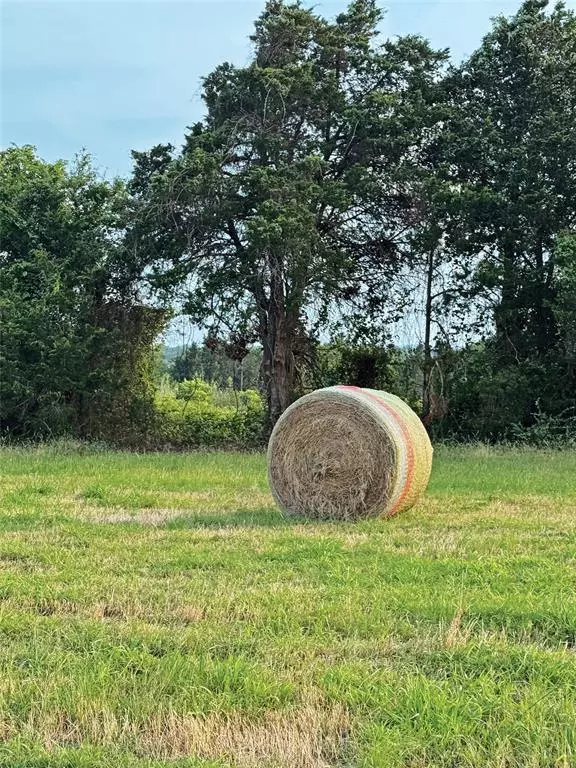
<point>346,453</point>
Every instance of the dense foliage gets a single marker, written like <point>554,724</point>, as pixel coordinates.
<point>338,190</point>
<point>75,345</point>
<point>289,192</point>
<point>506,167</point>
<point>194,413</point>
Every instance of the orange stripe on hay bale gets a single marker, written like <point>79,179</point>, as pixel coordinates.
<point>348,453</point>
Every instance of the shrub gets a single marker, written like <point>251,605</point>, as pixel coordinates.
<point>548,431</point>
<point>190,415</point>
<point>531,401</point>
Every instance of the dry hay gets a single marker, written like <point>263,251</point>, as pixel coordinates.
<point>312,736</point>
<point>347,453</point>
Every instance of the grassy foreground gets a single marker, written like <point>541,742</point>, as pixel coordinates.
<point>157,610</point>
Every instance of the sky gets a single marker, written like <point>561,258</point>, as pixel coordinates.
<point>109,76</point>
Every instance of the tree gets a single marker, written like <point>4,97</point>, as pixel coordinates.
<point>508,159</point>
<point>441,293</point>
<point>293,186</point>
<point>73,331</point>
<point>504,190</point>
<point>216,366</point>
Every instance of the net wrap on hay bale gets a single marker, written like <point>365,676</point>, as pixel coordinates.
<point>348,453</point>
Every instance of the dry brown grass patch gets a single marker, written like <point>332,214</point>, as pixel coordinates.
<point>456,634</point>
<point>523,508</point>
<point>152,517</point>
<point>312,736</point>
<point>181,614</point>
<point>170,612</point>
<point>306,738</point>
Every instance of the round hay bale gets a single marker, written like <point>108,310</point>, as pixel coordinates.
<point>346,453</point>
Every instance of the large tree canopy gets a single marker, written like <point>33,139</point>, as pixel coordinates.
<point>503,186</point>
<point>508,153</point>
<point>293,188</point>
<point>336,181</point>
<point>72,327</point>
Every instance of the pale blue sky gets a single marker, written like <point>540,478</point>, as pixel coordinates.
<point>115,76</point>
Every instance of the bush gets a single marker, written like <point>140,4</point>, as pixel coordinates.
<point>548,431</point>
<point>190,415</point>
<point>531,401</point>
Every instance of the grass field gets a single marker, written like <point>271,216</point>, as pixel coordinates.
<point>157,610</point>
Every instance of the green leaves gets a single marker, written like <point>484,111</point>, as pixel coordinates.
<point>564,306</point>
<point>292,172</point>
<point>71,341</point>
<point>507,160</point>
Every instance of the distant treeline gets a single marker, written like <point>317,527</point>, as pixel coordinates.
<point>338,187</point>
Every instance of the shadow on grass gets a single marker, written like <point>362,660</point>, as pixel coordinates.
<point>179,519</point>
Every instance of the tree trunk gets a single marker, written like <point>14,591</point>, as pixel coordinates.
<point>277,333</point>
<point>506,313</point>
<point>545,328</point>
<point>427,363</point>
<point>277,373</point>
<point>282,379</point>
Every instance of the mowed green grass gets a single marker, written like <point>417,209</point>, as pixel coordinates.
<point>157,610</point>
